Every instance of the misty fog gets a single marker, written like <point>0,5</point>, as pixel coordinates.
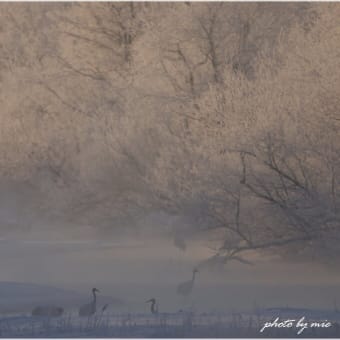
<point>139,141</point>
<point>136,268</point>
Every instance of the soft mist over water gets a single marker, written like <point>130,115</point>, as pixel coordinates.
<point>135,270</point>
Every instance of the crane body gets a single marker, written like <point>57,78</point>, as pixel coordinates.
<point>50,311</point>
<point>90,308</point>
<point>186,287</point>
<point>153,306</point>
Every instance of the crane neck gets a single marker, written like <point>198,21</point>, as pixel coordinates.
<point>154,308</point>
<point>193,276</point>
<point>94,296</point>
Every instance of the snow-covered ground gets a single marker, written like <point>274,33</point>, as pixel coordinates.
<point>181,324</point>
<point>121,318</point>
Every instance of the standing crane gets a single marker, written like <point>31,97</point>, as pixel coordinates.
<point>185,288</point>
<point>90,308</point>
<point>153,306</point>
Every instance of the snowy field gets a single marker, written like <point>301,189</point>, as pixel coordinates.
<point>181,324</point>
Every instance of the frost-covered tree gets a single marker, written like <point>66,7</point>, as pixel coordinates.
<point>220,117</point>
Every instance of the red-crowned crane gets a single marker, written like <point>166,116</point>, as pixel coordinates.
<point>90,308</point>
<point>153,306</point>
<point>186,287</point>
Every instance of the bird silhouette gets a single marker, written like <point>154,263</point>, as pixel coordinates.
<point>153,306</point>
<point>186,287</point>
<point>90,308</point>
<point>47,311</point>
